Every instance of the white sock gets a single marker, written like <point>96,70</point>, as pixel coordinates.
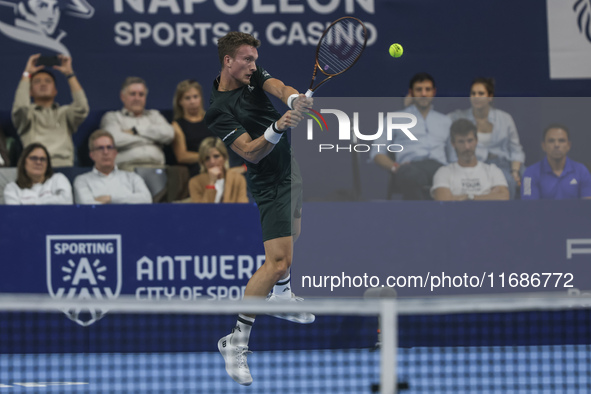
<point>282,289</point>
<point>241,333</point>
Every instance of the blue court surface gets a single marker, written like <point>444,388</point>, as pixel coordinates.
<point>514,369</point>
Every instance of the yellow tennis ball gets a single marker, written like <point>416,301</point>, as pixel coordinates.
<point>396,50</point>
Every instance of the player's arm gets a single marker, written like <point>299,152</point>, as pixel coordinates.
<point>290,97</point>
<point>255,150</point>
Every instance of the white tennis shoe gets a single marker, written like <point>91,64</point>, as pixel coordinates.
<point>296,317</point>
<point>235,358</point>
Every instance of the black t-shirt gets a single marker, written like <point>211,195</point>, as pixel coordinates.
<point>249,110</point>
<point>195,133</point>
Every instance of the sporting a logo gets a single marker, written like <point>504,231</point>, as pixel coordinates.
<point>84,267</point>
<point>36,22</point>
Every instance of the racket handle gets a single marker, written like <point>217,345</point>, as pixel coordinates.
<point>309,93</point>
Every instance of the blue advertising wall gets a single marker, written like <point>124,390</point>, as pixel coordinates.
<point>168,41</point>
<point>187,251</point>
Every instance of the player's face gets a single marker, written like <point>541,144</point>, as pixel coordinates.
<point>479,96</point>
<point>423,93</point>
<point>556,144</point>
<point>214,159</point>
<point>243,64</point>
<point>36,164</point>
<point>43,87</point>
<point>134,98</point>
<point>191,102</point>
<point>465,147</point>
<point>103,154</point>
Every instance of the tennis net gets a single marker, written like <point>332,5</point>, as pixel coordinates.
<point>528,344</point>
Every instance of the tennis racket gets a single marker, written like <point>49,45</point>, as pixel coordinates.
<point>339,48</point>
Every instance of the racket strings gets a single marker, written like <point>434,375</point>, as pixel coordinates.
<point>341,46</point>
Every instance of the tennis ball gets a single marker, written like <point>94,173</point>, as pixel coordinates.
<point>396,50</point>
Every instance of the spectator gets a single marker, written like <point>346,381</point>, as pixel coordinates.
<point>556,177</point>
<point>416,164</point>
<point>106,184</point>
<point>4,156</point>
<point>216,183</point>
<point>468,178</point>
<point>189,128</point>
<point>498,141</point>
<point>45,121</point>
<point>138,133</point>
<point>36,183</point>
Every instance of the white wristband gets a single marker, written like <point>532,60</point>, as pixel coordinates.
<point>291,99</point>
<point>271,135</point>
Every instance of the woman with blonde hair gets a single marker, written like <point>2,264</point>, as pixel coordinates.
<point>216,183</point>
<point>189,127</point>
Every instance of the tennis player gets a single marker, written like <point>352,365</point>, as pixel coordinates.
<point>243,116</point>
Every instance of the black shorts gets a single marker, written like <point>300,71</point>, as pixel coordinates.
<point>279,205</point>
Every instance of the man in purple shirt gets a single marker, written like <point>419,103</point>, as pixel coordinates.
<point>556,177</point>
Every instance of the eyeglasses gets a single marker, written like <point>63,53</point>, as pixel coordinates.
<point>106,148</point>
<point>38,159</point>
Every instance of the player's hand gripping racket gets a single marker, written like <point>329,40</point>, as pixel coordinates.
<point>339,48</point>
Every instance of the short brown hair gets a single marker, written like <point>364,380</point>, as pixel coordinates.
<point>206,145</point>
<point>462,127</point>
<point>229,44</point>
<point>133,80</point>
<point>98,134</point>
<point>23,180</point>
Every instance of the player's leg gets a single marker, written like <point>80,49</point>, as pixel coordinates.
<point>278,255</point>
<point>234,346</point>
<point>282,289</point>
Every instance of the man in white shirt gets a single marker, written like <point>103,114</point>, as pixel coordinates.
<point>139,133</point>
<point>468,179</point>
<point>106,184</point>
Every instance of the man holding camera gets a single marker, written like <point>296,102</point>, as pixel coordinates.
<point>44,120</point>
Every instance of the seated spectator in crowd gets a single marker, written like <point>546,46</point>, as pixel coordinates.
<point>498,141</point>
<point>106,184</point>
<point>138,132</point>
<point>468,178</point>
<point>189,128</point>
<point>36,183</point>
<point>4,156</point>
<point>556,177</point>
<point>416,164</point>
<point>45,121</point>
<point>216,183</point>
